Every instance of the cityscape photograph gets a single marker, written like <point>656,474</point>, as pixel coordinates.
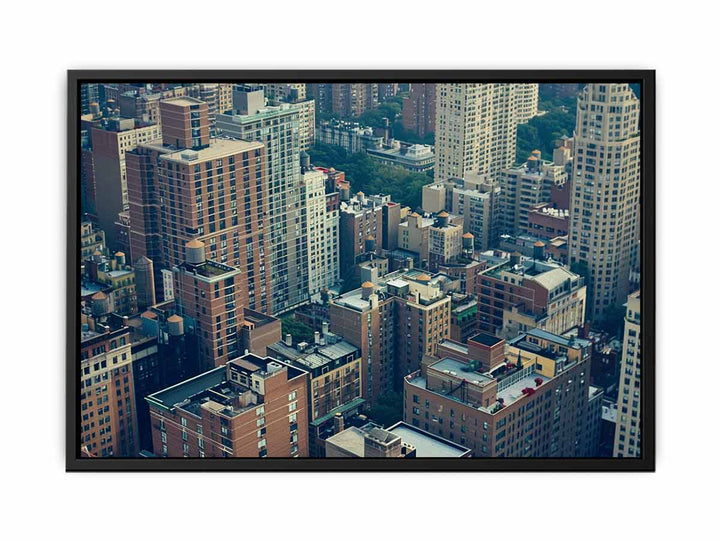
<point>359,270</point>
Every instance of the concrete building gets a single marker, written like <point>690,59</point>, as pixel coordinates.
<point>476,128</point>
<point>530,397</point>
<point>527,102</point>
<point>475,199</point>
<point>386,91</point>
<point>117,280</point>
<point>524,187</point>
<point>546,222</point>
<point>322,227</point>
<point>249,407</point>
<point>627,433</point>
<point>400,440</point>
<point>414,236</point>
<point>351,136</point>
<point>418,110</point>
<point>605,205</point>
<point>278,129</point>
<point>444,241</point>
<point>335,384</point>
<point>417,158</point>
<point>519,293</point>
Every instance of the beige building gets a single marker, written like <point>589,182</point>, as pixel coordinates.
<point>475,199</point>
<point>527,102</point>
<point>605,201</point>
<point>627,429</point>
<point>444,241</point>
<point>523,187</point>
<point>414,235</point>
<point>475,128</point>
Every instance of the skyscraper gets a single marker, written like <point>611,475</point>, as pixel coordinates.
<point>475,128</point>
<point>418,110</point>
<point>604,206</point>
<point>627,431</point>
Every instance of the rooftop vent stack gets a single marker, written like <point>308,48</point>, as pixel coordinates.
<point>288,340</point>
<point>325,328</point>
<point>317,338</point>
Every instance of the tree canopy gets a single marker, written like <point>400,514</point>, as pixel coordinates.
<point>371,177</point>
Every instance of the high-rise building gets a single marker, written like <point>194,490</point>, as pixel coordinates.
<point>277,128</point>
<point>321,226</point>
<point>351,100</point>
<point>527,102</point>
<point>110,143</point>
<point>249,407</point>
<point>627,431</point>
<point>289,92</point>
<point>605,202</point>
<point>475,128</point>
<point>386,91</point>
<point>108,415</point>
<point>523,187</point>
<point>209,295</point>
<point>418,110</point>
<point>530,397</point>
<point>321,93</point>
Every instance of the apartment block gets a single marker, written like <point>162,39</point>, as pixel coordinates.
<point>335,385</point>
<point>523,188</point>
<point>418,110</point>
<point>529,397</point>
<point>249,407</point>
<point>277,128</point>
<point>520,293</point>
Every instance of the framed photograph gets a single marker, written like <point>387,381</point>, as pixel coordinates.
<point>361,270</point>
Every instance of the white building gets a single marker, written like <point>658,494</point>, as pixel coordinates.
<point>627,429</point>
<point>322,229</point>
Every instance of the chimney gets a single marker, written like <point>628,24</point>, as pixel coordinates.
<point>325,328</point>
<point>288,340</point>
<point>338,422</point>
<point>317,338</point>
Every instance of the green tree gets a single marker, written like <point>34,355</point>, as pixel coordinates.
<point>388,410</point>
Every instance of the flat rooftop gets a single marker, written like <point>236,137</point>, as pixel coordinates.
<point>427,444</point>
<point>218,148</point>
<point>486,339</point>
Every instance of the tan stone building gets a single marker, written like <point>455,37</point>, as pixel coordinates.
<point>627,429</point>
<point>475,128</point>
<point>605,202</point>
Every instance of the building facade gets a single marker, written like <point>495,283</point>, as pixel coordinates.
<point>605,203</point>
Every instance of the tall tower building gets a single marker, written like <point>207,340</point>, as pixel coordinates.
<point>627,429</point>
<point>351,100</point>
<point>475,128</point>
<point>278,129</point>
<point>604,206</point>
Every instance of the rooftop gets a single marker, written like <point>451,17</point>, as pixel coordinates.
<point>427,444</point>
<point>218,148</point>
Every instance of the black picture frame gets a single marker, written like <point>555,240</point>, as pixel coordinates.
<point>646,79</point>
